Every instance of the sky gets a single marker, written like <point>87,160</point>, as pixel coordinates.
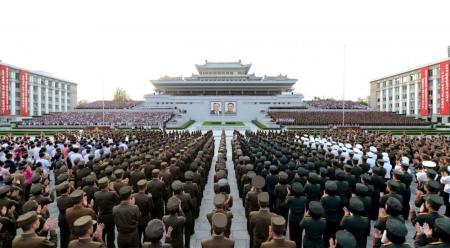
<point>105,44</point>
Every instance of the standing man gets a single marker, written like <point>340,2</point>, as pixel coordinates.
<point>260,220</point>
<point>157,189</point>
<point>78,210</point>
<point>84,228</point>
<point>145,205</point>
<point>126,216</point>
<point>29,222</point>
<point>276,234</point>
<point>218,239</point>
<point>105,200</point>
<point>63,202</point>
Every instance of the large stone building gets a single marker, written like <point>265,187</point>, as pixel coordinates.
<point>223,91</point>
<point>422,92</point>
<point>25,93</point>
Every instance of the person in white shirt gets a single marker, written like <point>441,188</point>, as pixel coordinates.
<point>445,180</point>
<point>388,167</point>
<point>75,156</point>
<point>44,162</point>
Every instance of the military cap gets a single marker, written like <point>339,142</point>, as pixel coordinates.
<point>331,186</point>
<point>35,178</point>
<point>315,208</point>
<point>435,201</point>
<point>433,186</point>
<point>398,173</point>
<point>340,175</point>
<point>278,224</point>
<point>173,203</point>
<point>394,203</point>
<point>63,177</point>
<point>83,223</point>
<point>313,178</point>
<point>89,179</point>
<point>4,189</point>
<point>177,185</point>
<point>125,191</point>
<point>36,188</point>
<point>62,186</point>
<point>7,179</point>
<point>251,174</point>
<point>76,195</point>
<point>258,182</point>
<point>323,171</point>
<point>249,167</point>
<point>189,175</point>
<point>393,185</point>
<point>263,197</point>
<point>273,169</point>
<point>154,229</point>
<point>361,189</point>
<point>443,224</point>
<point>302,171</point>
<point>219,222</point>
<point>297,187</point>
<point>222,182</point>
<point>27,218</point>
<point>366,177</point>
<point>118,172</point>
<point>429,164</point>
<point>142,183</point>
<point>219,200</point>
<point>396,227</point>
<point>356,205</point>
<point>30,205</point>
<point>283,177</point>
<point>155,172</point>
<point>345,239</point>
<point>103,181</point>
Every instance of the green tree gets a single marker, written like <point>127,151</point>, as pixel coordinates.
<point>121,95</point>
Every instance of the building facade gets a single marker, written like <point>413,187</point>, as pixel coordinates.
<point>223,91</point>
<point>422,92</point>
<point>24,93</point>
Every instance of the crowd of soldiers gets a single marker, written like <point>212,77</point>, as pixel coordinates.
<point>331,186</point>
<point>146,184</point>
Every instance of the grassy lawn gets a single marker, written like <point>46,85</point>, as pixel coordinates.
<point>184,126</point>
<point>219,123</point>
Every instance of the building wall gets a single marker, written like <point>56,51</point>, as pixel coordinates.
<point>401,93</point>
<point>32,94</point>
<point>199,107</point>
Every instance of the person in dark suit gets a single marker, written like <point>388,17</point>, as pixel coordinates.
<point>216,109</point>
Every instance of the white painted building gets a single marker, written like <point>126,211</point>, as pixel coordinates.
<point>25,93</point>
<point>226,87</point>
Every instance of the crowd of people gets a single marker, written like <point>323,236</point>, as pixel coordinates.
<point>298,189</point>
<point>109,104</point>
<point>335,104</point>
<point>350,118</point>
<point>146,184</point>
<point>329,188</point>
<point>100,118</point>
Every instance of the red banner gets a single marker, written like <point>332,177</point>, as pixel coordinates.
<point>4,88</point>
<point>443,88</point>
<point>424,91</point>
<point>23,93</point>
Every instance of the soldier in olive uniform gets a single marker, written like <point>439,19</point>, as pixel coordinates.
<point>260,221</point>
<point>29,222</point>
<point>332,204</point>
<point>126,216</point>
<point>176,221</point>
<point>78,210</point>
<point>157,188</point>
<point>295,202</point>
<point>219,203</point>
<point>441,231</point>
<point>145,204</point>
<point>429,212</point>
<point>63,202</point>
<point>343,239</point>
<point>154,232</point>
<point>395,234</point>
<point>193,190</point>
<point>218,239</point>
<point>357,224</point>
<point>276,234</point>
<point>84,227</point>
<point>187,207</point>
<point>105,200</point>
<point>314,226</point>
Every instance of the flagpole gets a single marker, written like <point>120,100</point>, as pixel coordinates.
<point>103,102</point>
<point>343,90</point>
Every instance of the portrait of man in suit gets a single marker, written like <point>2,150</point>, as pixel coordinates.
<point>216,108</point>
<point>230,108</point>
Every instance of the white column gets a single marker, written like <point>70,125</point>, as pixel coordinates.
<point>39,101</point>
<point>434,97</point>
<point>31,95</point>
<point>65,97</point>
<point>46,97</point>
<point>416,98</point>
<point>12,93</point>
<point>59,96</point>
<point>387,100</point>
<point>408,105</point>
<point>400,99</point>
<point>381,99</point>
<point>53,97</point>
<point>393,99</point>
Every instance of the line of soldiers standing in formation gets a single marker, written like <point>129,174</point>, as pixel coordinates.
<point>150,190</point>
<point>331,192</point>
